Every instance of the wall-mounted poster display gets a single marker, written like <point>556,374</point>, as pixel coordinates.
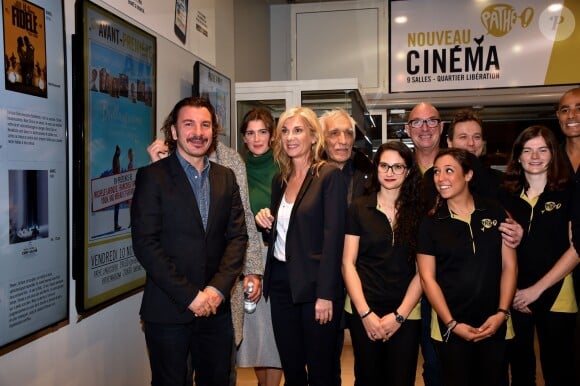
<point>114,119</point>
<point>188,23</point>
<point>33,169</point>
<point>216,87</point>
<point>475,45</point>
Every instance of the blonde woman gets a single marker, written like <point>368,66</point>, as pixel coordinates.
<point>306,226</point>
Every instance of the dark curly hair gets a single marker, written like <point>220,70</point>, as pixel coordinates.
<point>172,120</point>
<point>558,173</point>
<point>409,203</point>
<point>462,157</point>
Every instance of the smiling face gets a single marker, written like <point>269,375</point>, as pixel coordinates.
<point>389,167</point>
<point>569,113</point>
<point>297,139</point>
<point>449,178</point>
<point>536,156</point>
<point>467,136</point>
<point>424,137</point>
<point>257,137</point>
<point>338,139</point>
<point>193,133</point>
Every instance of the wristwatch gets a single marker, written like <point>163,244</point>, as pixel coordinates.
<point>399,318</point>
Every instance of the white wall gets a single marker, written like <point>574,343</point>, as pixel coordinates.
<point>341,39</point>
<point>108,347</point>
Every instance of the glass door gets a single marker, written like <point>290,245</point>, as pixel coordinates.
<point>275,102</point>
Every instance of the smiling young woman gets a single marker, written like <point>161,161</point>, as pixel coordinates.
<point>468,274</point>
<point>539,195</point>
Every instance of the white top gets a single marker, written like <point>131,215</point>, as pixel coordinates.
<point>282,221</point>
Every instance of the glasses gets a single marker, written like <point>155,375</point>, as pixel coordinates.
<point>567,110</point>
<point>260,133</point>
<point>430,122</point>
<point>396,168</point>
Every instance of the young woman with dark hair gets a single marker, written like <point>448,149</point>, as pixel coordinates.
<point>468,275</point>
<point>379,270</point>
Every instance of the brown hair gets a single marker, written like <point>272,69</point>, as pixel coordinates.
<point>463,115</point>
<point>171,120</point>
<point>462,157</point>
<point>558,173</point>
<point>258,114</point>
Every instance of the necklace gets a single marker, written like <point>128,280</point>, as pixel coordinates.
<point>390,212</point>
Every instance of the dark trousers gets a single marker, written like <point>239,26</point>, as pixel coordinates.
<point>577,290</point>
<point>556,340</point>
<point>338,350</point>
<point>393,362</point>
<point>307,349</point>
<point>431,366</point>
<point>349,320</point>
<point>577,347</point>
<point>208,340</point>
<point>466,363</point>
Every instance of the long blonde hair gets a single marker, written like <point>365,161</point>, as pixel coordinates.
<point>310,120</point>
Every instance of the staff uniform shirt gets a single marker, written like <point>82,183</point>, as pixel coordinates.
<point>545,222</point>
<point>385,270</point>
<point>468,260</point>
<point>576,210</point>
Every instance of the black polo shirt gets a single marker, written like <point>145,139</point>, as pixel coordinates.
<point>468,259</point>
<point>545,238</point>
<point>576,217</point>
<point>385,270</point>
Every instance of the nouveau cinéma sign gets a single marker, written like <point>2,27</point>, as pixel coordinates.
<point>450,45</point>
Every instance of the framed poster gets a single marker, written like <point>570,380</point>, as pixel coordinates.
<point>33,169</point>
<point>114,119</point>
<point>216,87</point>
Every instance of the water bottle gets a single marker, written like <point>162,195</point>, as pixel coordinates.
<point>249,306</point>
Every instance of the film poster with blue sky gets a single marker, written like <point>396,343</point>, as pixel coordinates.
<point>121,124</point>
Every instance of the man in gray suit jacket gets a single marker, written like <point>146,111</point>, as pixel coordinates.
<point>189,233</point>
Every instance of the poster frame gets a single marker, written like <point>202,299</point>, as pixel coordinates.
<point>8,98</point>
<point>203,86</point>
<point>83,181</point>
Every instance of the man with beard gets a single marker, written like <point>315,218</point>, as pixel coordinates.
<point>253,267</point>
<point>189,234</point>
<point>339,135</point>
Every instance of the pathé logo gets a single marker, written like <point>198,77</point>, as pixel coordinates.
<point>498,19</point>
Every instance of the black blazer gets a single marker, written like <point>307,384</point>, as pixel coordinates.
<point>179,256</point>
<point>315,237</point>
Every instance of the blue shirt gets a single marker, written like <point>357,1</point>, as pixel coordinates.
<point>199,184</point>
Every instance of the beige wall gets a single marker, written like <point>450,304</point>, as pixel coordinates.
<point>252,40</point>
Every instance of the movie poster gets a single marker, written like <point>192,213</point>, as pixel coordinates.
<point>118,124</point>
<point>24,48</point>
<point>33,169</point>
